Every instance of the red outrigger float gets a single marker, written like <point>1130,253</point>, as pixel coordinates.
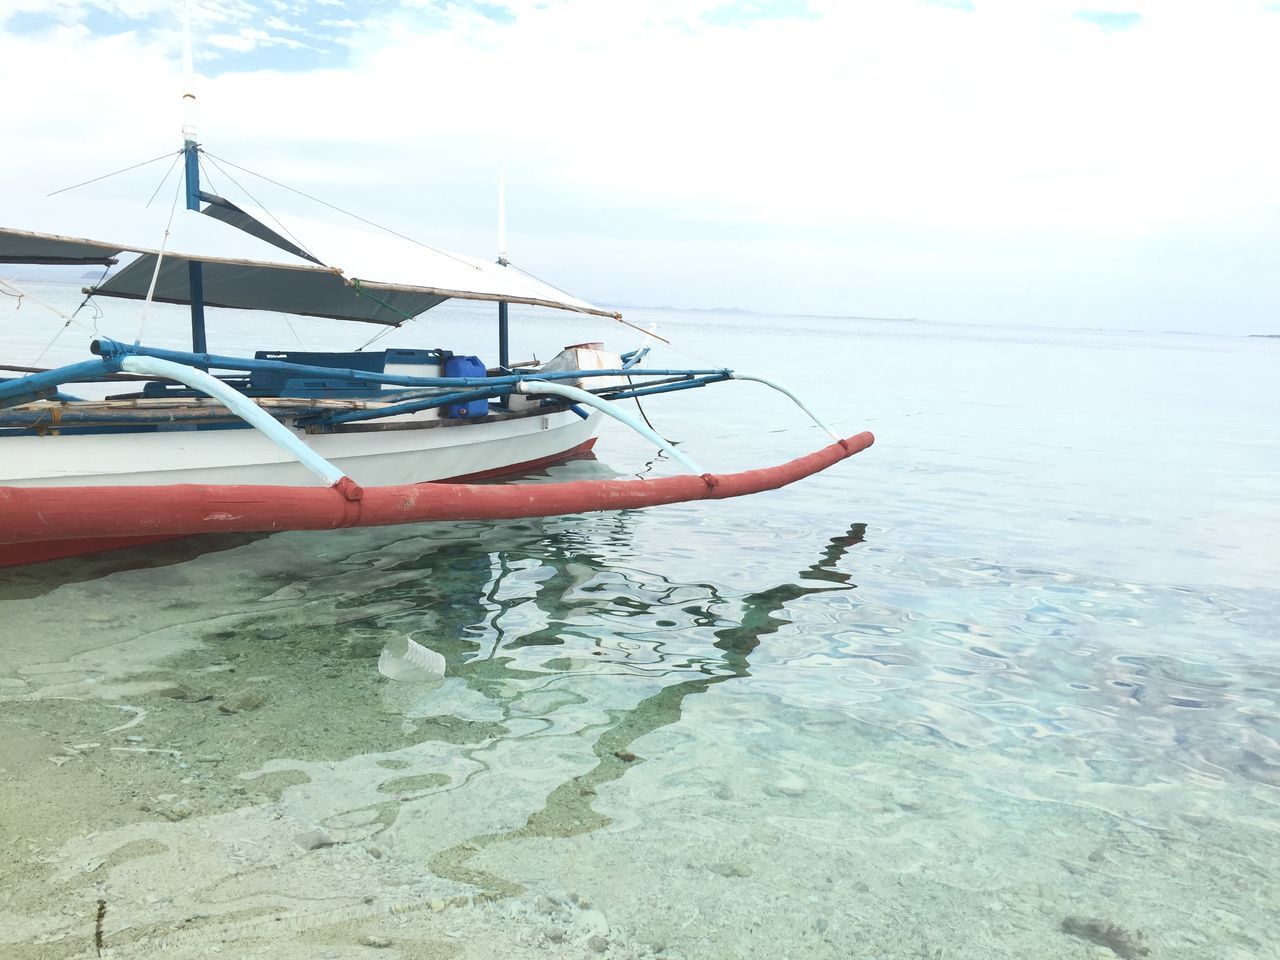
<point>45,523</point>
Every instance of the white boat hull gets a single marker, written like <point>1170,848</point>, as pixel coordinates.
<point>439,450</point>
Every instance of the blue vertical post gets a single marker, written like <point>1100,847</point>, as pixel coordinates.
<point>195,269</point>
<point>504,337</point>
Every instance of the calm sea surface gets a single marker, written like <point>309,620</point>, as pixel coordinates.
<point>1003,686</point>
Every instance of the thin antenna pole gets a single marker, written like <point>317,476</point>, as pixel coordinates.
<point>195,269</point>
<point>188,79</point>
<point>502,214</point>
<point>504,333</point>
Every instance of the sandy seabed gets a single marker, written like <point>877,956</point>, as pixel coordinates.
<point>202,759</point>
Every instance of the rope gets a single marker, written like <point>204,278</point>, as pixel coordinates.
<point>287,232</point>
<point>19,294</point>
<point>362,292</point>
<point>213,158</point>
<point>376,337</point>
<point>155,274</point>
<point>88,297</point>
<point>348,213</point>
<point>285,317</point>
<point>639,407</point>
<point>164,179</point>
<point>106,175</point>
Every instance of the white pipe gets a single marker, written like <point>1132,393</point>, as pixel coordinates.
<point>241,406</point>
<point>604,406</point>
<point>798,402</point>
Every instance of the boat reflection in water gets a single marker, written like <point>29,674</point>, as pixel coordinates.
<point>337,794</point>
<point>531,642</point>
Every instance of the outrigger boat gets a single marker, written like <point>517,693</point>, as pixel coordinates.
<point>296,440</point>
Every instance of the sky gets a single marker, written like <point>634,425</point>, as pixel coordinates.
<point>1053,162</point>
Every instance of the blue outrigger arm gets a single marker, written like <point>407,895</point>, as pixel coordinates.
<point>42,386</point>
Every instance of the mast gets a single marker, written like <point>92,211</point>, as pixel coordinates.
<point>504,339</point>
<point>191,156</point>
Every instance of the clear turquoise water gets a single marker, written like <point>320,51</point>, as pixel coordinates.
<point>1002,686</point>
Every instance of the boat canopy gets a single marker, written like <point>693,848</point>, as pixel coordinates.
<point>309,268</point>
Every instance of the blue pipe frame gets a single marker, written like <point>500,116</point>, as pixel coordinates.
<point>107,348</point>
<point>110,353</point>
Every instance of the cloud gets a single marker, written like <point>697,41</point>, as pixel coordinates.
<point>751,11</point>
<point>249,38</point>
<point>884,137</point>
<point>1109,20</point>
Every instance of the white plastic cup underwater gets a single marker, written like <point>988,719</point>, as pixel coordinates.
<point>402,659</point>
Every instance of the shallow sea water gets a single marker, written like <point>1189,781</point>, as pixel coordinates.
<point>1004,685</point>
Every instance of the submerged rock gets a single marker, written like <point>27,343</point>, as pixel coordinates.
<point>1121,942</point>
<point>175,810</point>
<point>243,702</point>
<point>791,786</point>
<point>313,840</point>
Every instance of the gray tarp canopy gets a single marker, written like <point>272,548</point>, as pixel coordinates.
<point>382,279</point>
<point>305,290</point>
<point>19,246</point>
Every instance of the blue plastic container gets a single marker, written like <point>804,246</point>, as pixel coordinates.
<point>459,366</point>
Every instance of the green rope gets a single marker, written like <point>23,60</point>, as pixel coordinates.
<point>362,292</point>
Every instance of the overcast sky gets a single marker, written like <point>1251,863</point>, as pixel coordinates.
<point>1008,161</point>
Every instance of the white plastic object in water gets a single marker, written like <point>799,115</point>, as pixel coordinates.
<point>402,659</point>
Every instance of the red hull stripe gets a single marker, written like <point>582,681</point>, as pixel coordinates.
<point>40,514</point>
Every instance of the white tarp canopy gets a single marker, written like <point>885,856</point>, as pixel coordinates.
<point>355,274</point>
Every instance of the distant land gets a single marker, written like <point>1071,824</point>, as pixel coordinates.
<point>48,273</point>
<point>757,313</point>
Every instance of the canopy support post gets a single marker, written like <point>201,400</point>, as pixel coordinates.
<point>504,338</point>
<point>195,269</point>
